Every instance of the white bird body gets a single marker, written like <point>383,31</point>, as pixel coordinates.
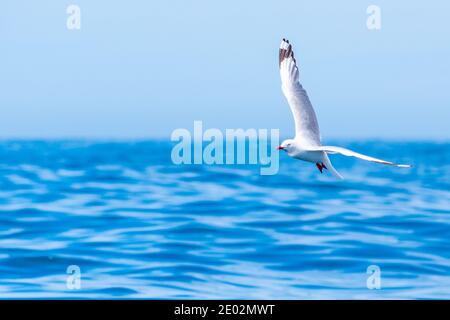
<point>309,156</point>
<point>303,153</point>
<point>306,144</point>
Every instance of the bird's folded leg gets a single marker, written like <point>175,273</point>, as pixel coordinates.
<point>320,167</point>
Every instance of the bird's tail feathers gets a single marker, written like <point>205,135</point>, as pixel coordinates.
<point>330,167</point>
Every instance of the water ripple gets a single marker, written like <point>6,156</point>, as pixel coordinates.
<point>140,227</point>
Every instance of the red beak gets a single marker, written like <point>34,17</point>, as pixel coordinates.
<point>280,148</point>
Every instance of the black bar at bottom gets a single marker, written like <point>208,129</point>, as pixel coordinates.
<point>220,309</point>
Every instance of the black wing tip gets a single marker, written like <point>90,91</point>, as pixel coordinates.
<point>285,51</point>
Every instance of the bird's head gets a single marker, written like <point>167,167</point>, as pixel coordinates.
<point>287,145</point>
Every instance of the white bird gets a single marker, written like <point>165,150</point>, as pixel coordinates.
<point>306,145</point>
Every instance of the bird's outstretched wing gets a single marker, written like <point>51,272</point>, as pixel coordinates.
<point>306,127</point>
<point>350,153</point>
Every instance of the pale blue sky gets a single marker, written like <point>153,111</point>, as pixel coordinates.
<point>140,69</point>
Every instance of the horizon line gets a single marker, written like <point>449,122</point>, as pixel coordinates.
<point>167,138</point>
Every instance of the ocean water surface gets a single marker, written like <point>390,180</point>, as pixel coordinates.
<point>139,226</point>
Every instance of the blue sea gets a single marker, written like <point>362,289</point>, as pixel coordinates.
<point>138,226</point>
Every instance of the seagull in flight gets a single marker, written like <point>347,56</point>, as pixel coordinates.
<point>306,145</point>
